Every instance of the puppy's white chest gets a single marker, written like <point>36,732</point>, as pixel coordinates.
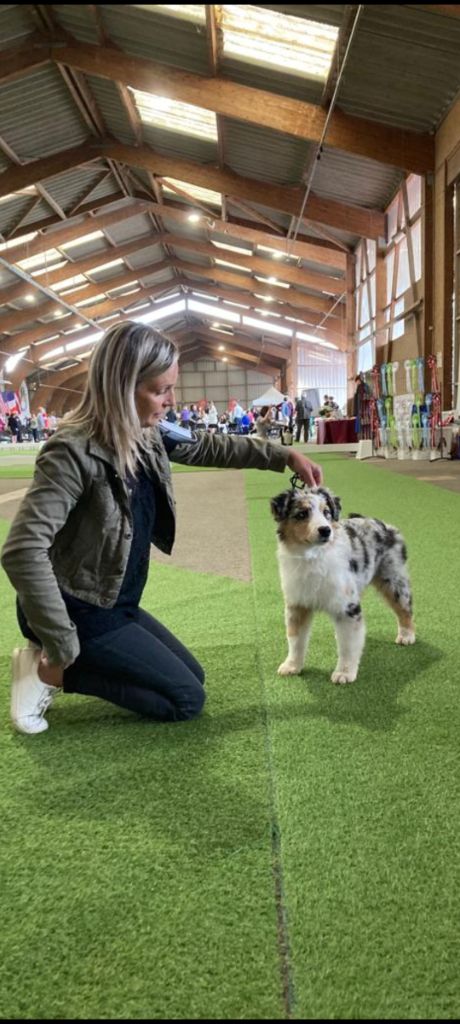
<point>313,579</point>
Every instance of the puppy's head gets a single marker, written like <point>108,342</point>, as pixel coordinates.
<point>306,517</point>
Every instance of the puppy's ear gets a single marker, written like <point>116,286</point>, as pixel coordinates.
<point>334,503</point>
<point>337,507</point>
<point>281,505</point>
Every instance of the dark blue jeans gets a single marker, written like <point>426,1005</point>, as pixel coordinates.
<point>140,666</point>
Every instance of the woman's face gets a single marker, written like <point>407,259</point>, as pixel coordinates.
<point>154,396</point>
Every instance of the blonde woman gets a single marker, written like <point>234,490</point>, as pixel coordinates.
<point>78,550</point>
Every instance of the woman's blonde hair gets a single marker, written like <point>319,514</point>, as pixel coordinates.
<point>128,354</point>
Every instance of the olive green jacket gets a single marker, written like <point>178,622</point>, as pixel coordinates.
<point>73,529</point>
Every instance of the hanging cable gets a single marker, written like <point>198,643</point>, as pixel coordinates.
<point>317,155</point>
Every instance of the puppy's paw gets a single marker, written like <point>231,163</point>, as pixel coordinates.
<point>343,676</point>
<point>405,637</point>
<point>289,669</point>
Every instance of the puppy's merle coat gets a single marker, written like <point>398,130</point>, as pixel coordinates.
<point>326,564</point>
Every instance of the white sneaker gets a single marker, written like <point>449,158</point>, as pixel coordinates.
<point>30,698</point>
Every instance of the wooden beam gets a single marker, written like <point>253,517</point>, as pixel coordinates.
<point>242,231</point>
<point>309,319</point>
<point>261,264</point>
<point>315,250</point>
<point>16,178</point>
<point>292,298</point>
<point>448,10</point>
<point>409,150</point>
<point>69,233</point>
<point>24,316</point>
<point>24,59</point>
<point>280,352</point>
<point>83,266</point>
<point>287,199</point>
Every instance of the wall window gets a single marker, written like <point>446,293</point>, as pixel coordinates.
<point>403,261</point>
<point>325,371</point>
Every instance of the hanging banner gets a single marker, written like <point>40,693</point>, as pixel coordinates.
<point>24,401</point>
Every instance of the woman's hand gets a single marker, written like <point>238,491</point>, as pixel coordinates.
<point>308,471</point>
<point>52,675</point>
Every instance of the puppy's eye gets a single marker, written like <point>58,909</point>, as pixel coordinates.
<point>327,513</point>
<point>302,514</point>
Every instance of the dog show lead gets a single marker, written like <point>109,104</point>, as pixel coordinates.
<point>78,550</point>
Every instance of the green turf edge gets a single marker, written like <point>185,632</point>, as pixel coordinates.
<point>366,776</point>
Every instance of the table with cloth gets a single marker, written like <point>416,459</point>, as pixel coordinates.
<point>330,431</point>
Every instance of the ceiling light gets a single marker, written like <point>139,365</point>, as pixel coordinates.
<point>29,297</point>
<point>194,217</point>
<point>221,348</point>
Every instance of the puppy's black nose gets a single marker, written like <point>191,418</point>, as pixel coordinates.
<point>324,532</point>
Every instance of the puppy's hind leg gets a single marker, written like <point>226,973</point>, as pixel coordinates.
<point>397,593</point>
<point>298,627</point>
<point>350,633</point>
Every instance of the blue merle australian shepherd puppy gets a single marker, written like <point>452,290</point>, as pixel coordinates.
<point>325,564</point>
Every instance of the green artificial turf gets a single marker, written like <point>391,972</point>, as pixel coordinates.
<point>16,472</point>
<point>137,860</point>
<point>293,852</point>
<point>366,776</point>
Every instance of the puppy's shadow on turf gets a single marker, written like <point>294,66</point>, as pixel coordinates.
<point>374,699</point>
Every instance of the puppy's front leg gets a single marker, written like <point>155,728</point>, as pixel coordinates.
<point>350,633</point>
<point>298,627</point>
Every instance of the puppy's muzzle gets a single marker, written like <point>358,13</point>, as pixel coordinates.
<point>324,532</point>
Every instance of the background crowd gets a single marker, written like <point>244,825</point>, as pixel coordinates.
<point>289,421</point>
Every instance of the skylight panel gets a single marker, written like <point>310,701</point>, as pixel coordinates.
<point>201,307</point>
<point>30,190</point>
<point>234,266</point>
<point>272,280</point>
<point>205,195</point>
<point>313,338</point>
<point>267,326</point>
<point>175,116</point>
<point>49,268</point>
<point>257,35</point>
<point>186,12</point>
<point>231,248</point>
<point>80,241</point>
<point>92,300</point>
<point>70,282</point>
<point>33,262</point>
<point>160,314</point>
<point>105,266</point>
<point>71,345</point>
<point>19,240</point>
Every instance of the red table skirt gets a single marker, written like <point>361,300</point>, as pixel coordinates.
<point>336,431</point>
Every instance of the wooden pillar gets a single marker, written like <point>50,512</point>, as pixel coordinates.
<point>292,389</point>
<point>380,303</point>
<point>351,332</point>
<point>430,343</point>
<point>446,372</point>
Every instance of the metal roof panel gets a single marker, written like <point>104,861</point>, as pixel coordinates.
<point>38,115</point>
<point>147,33</point>
<point>264,153</point>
